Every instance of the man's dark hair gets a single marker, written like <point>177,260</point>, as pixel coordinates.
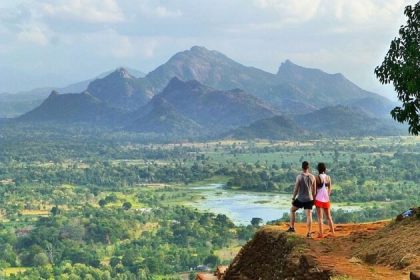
<point>321,167</point>
<point>305,165</point>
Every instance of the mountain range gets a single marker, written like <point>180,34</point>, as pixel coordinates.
<point>15,104</point>
<point>200,92</point>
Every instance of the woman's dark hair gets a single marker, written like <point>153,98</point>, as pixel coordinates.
<point>321,167</point>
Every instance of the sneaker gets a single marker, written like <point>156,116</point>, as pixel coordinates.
<point>291,229</point>
<point>309,235</point>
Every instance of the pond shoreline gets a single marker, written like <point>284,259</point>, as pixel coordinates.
<point>242,206</point>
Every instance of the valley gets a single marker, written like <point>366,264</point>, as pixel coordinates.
<point>78,201</point>
<point>166,140</point>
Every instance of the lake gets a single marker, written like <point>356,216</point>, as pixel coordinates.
<point>242,206</point>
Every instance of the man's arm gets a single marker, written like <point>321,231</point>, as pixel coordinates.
<point>314,188</point>
<point>296,189</point>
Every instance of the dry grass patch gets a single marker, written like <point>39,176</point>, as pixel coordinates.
<point>397,245</point>
<point>35,212</point>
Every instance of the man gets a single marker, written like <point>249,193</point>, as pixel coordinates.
<point>303,197</point>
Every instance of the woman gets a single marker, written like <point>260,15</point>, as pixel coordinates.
<point>322,199</point>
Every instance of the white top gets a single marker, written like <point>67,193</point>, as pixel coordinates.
<point>322,193</point>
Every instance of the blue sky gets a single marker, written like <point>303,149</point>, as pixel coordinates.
<point>57,42</point>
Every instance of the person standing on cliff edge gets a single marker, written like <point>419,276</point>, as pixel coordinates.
<point>322,199</point>
<point>303,197</point>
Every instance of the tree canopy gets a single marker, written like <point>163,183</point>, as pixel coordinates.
<point>401,66</point>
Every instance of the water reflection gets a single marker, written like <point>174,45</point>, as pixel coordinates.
<point>241,206</point>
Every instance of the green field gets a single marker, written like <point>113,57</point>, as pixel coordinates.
<point>122,208</point>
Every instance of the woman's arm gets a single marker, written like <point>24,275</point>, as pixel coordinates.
<point>329,186</point>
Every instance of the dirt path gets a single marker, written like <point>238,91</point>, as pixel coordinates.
<point>336,252</point>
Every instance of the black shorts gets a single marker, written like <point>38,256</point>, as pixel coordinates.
<point>305,205</point>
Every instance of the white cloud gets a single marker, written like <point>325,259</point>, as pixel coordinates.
<point>291,11</point>
<point>159,10</point>
<point>91,11</point>
<point>120,46</point>
<point>126,47</point>
<point>33,33</point>
<point>163,12</point>
<point>371,12</point>
<point>349,36</point>
<point>340,15</point>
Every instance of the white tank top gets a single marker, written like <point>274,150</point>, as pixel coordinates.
<point>322,193</point>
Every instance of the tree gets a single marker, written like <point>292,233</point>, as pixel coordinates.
<point>256,222</point>
<point>401,66</point>
<point>212,260</point>
<point>126,205</point>
<point>40,259</point>
<point>55,210</point>
<point>111,198</point>
<point>102,202</point>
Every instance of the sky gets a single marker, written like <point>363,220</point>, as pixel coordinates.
<point>58,42</point>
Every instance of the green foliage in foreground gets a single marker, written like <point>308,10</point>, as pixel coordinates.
<point>400,66</point>
<point>179,240</point>
<point>106,205</point>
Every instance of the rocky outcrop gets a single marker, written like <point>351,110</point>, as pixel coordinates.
<point>272,255</point>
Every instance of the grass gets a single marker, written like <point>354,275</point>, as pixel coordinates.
<point>140,228</point>
<point>228,253</point>
<point>35,212</point>
<point>13,270</point>
<point>392,244</point>
<point>121,198</point>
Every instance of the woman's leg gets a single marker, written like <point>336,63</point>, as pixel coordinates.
<point>329,219</point>
<point>320,222</point>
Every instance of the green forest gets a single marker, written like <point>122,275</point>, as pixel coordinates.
<point>82,203</point>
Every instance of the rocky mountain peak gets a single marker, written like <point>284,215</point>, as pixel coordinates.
<point>122,73</point>
<point>199,49</point>
<point>288,66</point>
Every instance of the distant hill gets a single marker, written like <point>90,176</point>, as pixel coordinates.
<point>164,119</point>
<point>15,104</point>
<point>213,69</point>
<point>121,90</point>
<point>319,87</point>
<point>214,110</point>
<point>374,106</point>
<point>212,107</point>
<point>345,121</point>
<point>203,92</point>
<point>336,121</point>
<point>69,108</point>
<point>292,89</point>
<point>276,128</point>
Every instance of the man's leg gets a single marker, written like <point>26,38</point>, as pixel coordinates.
<point>309,220</point>
<point>293,216</point>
